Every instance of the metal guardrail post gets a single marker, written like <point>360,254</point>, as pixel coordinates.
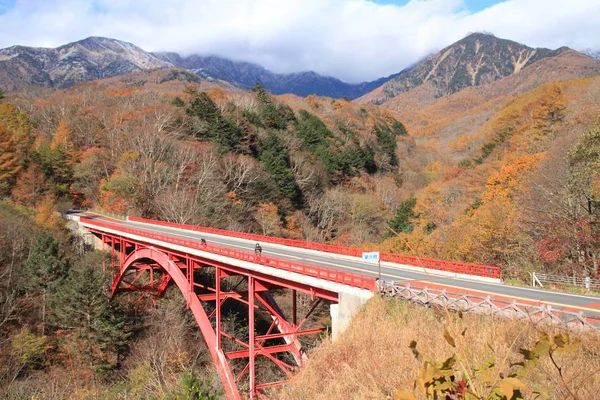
<point>535,279</point>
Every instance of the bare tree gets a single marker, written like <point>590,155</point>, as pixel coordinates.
<point>239,173</point>
<point>328,211</point>
<point>196,191</point>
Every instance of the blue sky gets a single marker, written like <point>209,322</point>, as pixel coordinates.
<point>354,40</point>
<point>5,5</point>
<point>471,5</point>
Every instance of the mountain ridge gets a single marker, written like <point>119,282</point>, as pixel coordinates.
<point>99,57</point>
<point>245,75</point>
<point>477,59</point>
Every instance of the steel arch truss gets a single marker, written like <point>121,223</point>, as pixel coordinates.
<point>263,336</point>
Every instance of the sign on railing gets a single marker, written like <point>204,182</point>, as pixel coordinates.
<point>373,256</point>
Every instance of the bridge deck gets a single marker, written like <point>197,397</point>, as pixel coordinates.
<point>389,272</point>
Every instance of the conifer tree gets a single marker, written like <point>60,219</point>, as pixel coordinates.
<point>83,306</point>
<point>402,221</point>
<point>43,269</point>
<point>274,156</point>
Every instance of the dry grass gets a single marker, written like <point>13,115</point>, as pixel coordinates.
<point>373,358</point>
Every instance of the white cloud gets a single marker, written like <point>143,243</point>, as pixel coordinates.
<point>351,39</point>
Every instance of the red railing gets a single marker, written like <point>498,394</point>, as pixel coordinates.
<point>431,263</point>
<point>329,274</point>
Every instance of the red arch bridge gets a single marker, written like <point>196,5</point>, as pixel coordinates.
<point>150,256</point>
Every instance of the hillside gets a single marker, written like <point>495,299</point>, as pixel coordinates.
<point>503,173</point>
<point>162,144</point>
<point>279,165</point>
<point>475,60</point>
<point>427,115</point>
<point>374,358</point>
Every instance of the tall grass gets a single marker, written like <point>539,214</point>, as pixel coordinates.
<point>373,359</point>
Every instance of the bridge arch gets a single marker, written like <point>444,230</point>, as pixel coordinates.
<point>278,331</point>
<point>193,303</point>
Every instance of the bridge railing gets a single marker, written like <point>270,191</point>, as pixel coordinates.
<point>487,305</point>
<point>441,265</point>
<point>586,282</point>
<point>328,274</point>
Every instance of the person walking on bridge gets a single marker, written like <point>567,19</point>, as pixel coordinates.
<point>257,249</point>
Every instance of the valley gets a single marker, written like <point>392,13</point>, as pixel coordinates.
<point>486,152</point>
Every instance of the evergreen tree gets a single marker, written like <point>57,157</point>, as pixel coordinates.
<point>44,269</point>
<point>225,133</point>
<point>387,141</point>
<point>57,167</point>
<point>312,130</point>
<point>178,102</point>
<point>274,157</point>
<point>83,305</point>
<point>1,95</point>
<point>261,94</point>
<point>203,107</point>
<point>398,128</point>
<point>402,221</point>
<point>219,129</point>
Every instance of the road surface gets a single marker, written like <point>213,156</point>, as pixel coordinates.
<point>590,305</point>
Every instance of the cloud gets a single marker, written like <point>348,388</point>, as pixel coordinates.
<point>353,40</point>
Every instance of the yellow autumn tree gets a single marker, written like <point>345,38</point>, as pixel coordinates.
<point>488,232</point>
<point>9,162</point>
<point>61,136</point>
<point>268,218</point>
<point>46,214</point>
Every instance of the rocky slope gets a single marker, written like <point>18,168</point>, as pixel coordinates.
<point>475,60</point>
<point>592,53</point>
<point>85,60</point>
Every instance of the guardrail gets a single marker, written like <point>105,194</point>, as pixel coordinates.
<point>538,313</point>
<point>329,274</point>
<point>109,214</point>
<point>586,282</point>
<point>441,265</point>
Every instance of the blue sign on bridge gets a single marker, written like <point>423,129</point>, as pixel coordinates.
<point>371,256</point>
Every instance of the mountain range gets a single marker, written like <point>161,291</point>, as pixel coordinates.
<point>475,60</point>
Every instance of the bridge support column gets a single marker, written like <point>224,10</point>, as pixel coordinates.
<point>348,305</point>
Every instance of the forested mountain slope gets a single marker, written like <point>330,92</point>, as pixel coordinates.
<point>452,185</point>
<point>505,173</point>
<point>515,190</point>
<point>239,160</point>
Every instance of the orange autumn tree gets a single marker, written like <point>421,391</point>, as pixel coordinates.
<point>30,187</point>
<point>9,161</point>
<point>488,232</point>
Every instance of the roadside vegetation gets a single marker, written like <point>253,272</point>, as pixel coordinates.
<point>401,351</point>
<point>522,192</point>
